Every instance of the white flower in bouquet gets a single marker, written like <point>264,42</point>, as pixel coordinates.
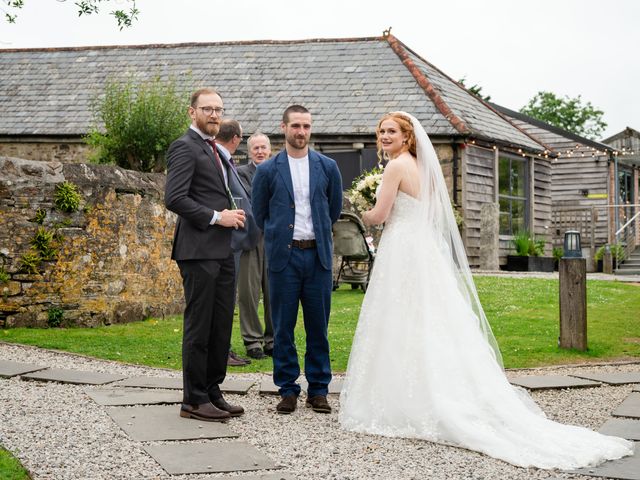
<point>362,193</point>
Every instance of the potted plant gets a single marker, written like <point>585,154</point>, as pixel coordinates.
<point>529,255</point>
<point>557,254</point>
<point>617,255</point>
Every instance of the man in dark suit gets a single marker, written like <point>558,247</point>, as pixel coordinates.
<point>228,140</point>
<point>197,191</point>
<point>252,277</point>
<point>296,198</point>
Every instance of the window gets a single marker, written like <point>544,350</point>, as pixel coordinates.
<point>512,194</point>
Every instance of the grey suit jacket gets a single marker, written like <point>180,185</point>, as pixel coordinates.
<point>248,237</point>
<point>246,173</point>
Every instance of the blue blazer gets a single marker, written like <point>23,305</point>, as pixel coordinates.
<point>274,206</point>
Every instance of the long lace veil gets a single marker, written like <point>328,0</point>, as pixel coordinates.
<point>434,199</point>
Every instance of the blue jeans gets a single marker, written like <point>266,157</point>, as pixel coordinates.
<point>304,281</point>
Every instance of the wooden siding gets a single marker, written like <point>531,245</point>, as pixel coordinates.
<point>573,180</point>
<point>479,188</point>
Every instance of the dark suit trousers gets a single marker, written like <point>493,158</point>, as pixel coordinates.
<point>208,316</point>
<point>303,281</point>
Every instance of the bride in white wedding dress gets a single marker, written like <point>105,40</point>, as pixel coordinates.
<point>424,363</point>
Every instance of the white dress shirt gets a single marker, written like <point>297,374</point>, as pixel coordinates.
<point>303,223</point>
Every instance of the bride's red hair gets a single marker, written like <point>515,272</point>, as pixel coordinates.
<point>406,127</point>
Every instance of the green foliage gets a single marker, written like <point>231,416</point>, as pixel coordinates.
<point>4,275</point>
<point>568,113</point>
<point>557,253</point>
<point>55,316</point>
<point>527,246</point>
<point>124,18</point>
<point>41,214</point>
<point>475,89</point>
<point>10,467</point>
<point>43,242</point>
<point>140,122</point>
<point>617,252</point>
<point>29,262</point>
<point>66,197</point>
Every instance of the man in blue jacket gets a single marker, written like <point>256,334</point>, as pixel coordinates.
<point>296,198</point>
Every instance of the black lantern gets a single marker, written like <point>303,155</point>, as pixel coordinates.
<point>572,248</point>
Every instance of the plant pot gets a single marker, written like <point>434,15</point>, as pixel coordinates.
<point>516,263</point>
<point>600,267</point>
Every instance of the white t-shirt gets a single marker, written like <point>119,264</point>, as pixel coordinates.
<point>303,223</point>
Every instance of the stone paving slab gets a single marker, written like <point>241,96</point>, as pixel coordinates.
<point>621,378</point>
<point>133,396</point>
<point>73,376</point>
<point>267,387</point>
<point>155,423</point>
<point>240,387</point>
<point>622,427</point>
<point>630,407</point>
<point>627,468</point>
<point>185,458</point>
<point>539,382</point>
<point>10,369</point>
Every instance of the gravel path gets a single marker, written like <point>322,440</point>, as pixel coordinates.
<point>58,432</point>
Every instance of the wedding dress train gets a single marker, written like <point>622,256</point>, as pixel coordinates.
<point>421,367</point>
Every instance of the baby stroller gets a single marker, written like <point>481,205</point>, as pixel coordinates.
<point>357,254</point>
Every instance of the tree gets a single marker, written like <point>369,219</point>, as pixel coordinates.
<point>475,89</point>
<point>568,113</point>
<point>140,122</point>
<point>85,7</point>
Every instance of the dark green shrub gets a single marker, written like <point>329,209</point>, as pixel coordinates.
<point>140,121</point>
<point>66,197</point>
<point>557,253</point>
<point>55,316</point>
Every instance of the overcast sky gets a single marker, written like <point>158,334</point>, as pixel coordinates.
<point>512,48</point>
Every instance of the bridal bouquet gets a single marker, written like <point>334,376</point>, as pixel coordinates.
<point>362,193</point>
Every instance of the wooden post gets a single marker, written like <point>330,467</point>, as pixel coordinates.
<point>573,303</point>
<point>607,260</point>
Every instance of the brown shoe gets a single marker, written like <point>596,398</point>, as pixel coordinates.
<point>206,412</point>
<point>319,404</point>
<point>234,360</point>
<point>287,405</point>
<point>234,410</point>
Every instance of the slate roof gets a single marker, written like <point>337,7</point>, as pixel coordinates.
<point>348,84</point>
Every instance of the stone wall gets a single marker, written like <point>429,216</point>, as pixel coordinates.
<point>113,255</point>
<point>47,150</point>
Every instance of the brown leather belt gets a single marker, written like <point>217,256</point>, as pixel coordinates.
<point>304,243</point>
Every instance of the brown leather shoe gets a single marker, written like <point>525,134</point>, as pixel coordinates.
<point>319,404</point>
<point>206,412</point>
<point>234,410</point>
<point>287,405</point>
<point>233,360</point>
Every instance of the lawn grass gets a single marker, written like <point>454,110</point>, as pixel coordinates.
<point>10,467</point>
<point>523,313</point>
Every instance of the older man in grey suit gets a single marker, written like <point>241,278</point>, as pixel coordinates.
<point>252,277</point>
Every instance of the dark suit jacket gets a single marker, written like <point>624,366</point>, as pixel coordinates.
<point>246,173</point>
<point>195,188</point>
<point>245,238</point>
<point>274,206</point>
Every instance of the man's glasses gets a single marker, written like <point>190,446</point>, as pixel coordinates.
<point>208,111</point>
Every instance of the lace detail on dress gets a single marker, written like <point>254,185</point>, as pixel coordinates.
<point>421,368</point>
